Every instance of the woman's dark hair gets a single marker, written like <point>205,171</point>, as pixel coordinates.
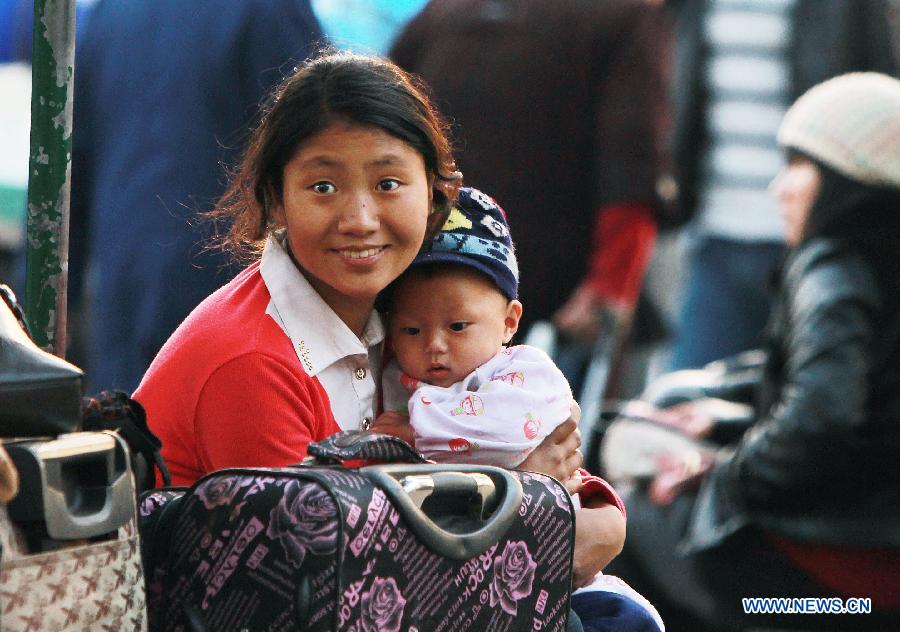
<point>862,217</point>
<point>330,87</point>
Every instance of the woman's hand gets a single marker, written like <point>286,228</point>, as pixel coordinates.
<point>599,537</point>
<point>679,472</point>
<point>692,418</point>
<point>396,424</point>
<point>558,456</point>
<point>696,418</point>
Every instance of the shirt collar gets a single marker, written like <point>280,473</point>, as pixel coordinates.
<point>320,338</point>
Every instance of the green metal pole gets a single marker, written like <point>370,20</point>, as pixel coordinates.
<point>49,176</point>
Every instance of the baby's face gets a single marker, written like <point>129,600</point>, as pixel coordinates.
<point>445,326</point>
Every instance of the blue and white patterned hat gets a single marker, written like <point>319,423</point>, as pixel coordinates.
<point>476,234</point>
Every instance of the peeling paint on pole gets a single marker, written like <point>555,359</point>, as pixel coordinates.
<point>50,171</point>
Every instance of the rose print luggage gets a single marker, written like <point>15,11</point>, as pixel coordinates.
<point>381,548</point>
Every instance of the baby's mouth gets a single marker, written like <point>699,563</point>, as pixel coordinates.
<point>438,370</point>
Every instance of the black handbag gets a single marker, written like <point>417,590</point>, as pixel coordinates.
<point>40,394</point>
<point>115,411</point>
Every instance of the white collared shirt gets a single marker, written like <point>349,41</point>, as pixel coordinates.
<point>346,366</point>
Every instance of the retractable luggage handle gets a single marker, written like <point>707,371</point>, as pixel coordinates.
<point>79,484</point>
<point>495,496</point>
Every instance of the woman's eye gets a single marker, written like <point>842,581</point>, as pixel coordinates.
<point>388,185</point>
<point>459,326</point>
<point>323,187</point>
<point>410,331</point>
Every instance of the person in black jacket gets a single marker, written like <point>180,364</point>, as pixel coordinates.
<point>737,68</point>
<point>807,502</point>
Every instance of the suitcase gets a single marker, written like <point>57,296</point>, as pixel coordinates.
<point>69,551</point>
<point>383,548</point>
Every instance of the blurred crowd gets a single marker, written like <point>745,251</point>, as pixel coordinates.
<point>631,142</point>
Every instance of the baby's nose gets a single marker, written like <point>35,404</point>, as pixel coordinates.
<point>436,343</point>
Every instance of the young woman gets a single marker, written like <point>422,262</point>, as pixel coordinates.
<point>807,503</point>
<point>341,181</point>
<point>332,199</point>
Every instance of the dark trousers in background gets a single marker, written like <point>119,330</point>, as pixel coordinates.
<point>726,300</point>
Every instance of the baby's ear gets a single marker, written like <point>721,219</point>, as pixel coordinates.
<point>511,321</point>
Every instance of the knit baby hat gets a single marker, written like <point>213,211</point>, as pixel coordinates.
<point>850,123</point>
<point>476,234</point>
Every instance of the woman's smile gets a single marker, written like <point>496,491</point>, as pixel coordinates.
<point>364,255</point>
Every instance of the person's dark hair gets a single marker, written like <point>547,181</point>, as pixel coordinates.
<point>863,217</point>
<point>330,87</point>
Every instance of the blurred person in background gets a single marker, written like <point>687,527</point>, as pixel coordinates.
<point>364,26</point>
<point>738,64</point>
<point>557,109</point>
<point>806,502</point>
<point>165,93</point>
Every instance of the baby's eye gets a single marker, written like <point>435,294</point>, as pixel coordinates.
<point>323,187</point>
<point>388,185</point>
<point>410,331</point>
<point>459,326</point>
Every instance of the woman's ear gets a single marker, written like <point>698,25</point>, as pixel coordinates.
<point>273,209</point>
<point>276,214</point>
<point>436,220</point>
<point>511,321</point>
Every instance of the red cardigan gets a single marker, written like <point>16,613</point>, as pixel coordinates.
<point>227,389</point>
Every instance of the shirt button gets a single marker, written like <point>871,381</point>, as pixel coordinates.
<point>360,373</point>
<point>366,423</point>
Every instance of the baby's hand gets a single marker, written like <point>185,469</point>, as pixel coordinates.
<point>396,424</point>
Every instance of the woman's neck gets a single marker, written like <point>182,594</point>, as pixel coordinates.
<point>354,315</point>
<point>354,312</point>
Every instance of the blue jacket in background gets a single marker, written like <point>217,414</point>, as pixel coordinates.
<point>165,94</point>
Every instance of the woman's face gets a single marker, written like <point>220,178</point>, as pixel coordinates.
<point>796,188</point>
<point>355,203</point>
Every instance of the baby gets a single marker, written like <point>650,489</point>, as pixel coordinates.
<point>470,398</point>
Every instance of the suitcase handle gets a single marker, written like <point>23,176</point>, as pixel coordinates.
<point>79,485</point>
<point>458,513</point>
<point>477,485</point>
